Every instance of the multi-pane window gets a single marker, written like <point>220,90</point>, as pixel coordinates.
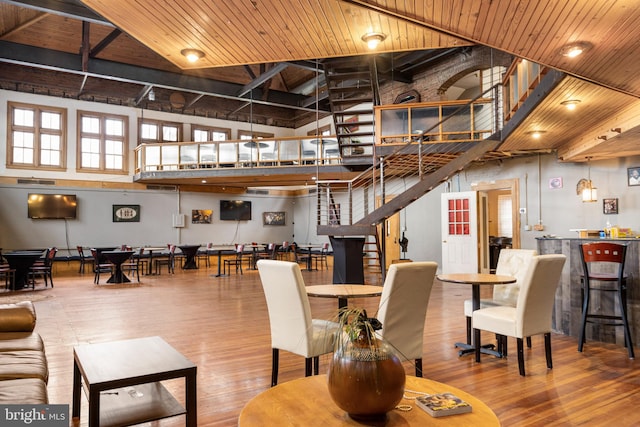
<point>245,134</point>
<point>204,134</point>
<point>152,131</point>
<point>103,142</point>
<point>37,136</point>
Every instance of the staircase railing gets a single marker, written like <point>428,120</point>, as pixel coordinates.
<point>346,207</point>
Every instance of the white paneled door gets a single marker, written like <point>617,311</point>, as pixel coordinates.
<point>460,232</point>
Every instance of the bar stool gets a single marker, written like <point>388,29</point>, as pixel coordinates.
<point>613,255</point>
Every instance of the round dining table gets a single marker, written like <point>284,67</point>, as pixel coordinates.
<point>476,280</point>
<point>307,402</point>
<point>343,292</point>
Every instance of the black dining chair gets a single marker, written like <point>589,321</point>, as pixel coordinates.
<point>84,260</point>
<point>100,267</point>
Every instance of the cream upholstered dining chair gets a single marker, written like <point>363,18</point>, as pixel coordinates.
<point>403,308</point>
<point>292,328</point>
<point>532,313</point>
<point>511,262</point>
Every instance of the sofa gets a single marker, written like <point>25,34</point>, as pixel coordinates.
<point>23,364</point>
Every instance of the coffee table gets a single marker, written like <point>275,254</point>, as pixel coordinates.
<point>122,382</point>
<point>307,402</point>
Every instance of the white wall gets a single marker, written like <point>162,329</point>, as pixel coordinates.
<point>94,225</point>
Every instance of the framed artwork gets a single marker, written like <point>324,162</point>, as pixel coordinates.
<point>201,216</point>
<point>633,176</point>
<point>126,213</point>
<point>610,206</point>
<point>273,218</point>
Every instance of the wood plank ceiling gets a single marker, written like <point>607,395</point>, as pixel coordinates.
<point>259,33</point>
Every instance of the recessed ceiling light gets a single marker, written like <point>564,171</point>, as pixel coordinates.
<point>571,104</point>
<point>373,39</point>
<point>575,49</point>
<point>192,55</point>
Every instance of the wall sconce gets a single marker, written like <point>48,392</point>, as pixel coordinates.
<point>192,55</point>
<point>373,39</point>
<point>570,104</point>
<point>589,192</point>
<point>151,95</point>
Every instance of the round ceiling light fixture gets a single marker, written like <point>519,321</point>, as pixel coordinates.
<point>192,55</point>
<point>536,134</point>
<point>571,104</point>
<point>373,39</point>
<point>575,49</point>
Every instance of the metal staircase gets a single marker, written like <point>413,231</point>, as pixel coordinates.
<point>352,86</point>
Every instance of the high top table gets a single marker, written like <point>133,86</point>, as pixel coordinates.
<point>117,258</point>
<point>307,402</point>
<point>122,382</point>
<point>190,252</point>
<point>21,262</point>
<point>476,280</point>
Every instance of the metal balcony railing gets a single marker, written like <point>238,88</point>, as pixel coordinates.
<point>255,153</point>
<point>413,156</point>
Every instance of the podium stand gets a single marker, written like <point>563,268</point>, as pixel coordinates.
<point>348,259</point>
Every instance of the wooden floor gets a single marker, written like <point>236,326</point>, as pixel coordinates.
<point>222,325</point>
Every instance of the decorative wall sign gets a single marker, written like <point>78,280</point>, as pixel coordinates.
<point>126,213</point>
<point>555,183</point>
<point>273,218</point>
<point>201,216</point>
<point>610,206</point>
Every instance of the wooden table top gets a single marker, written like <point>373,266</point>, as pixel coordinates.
<point>476,278</point>
<point>116,360</point>
<point>343,291</point>
<point>306,401</point>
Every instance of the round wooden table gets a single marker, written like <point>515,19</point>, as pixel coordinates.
<point>476,280</point>
<point>343,292</point>
<point>306,402</point>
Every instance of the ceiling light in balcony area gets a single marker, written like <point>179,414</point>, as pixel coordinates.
<point>570,104</point>
<point>373,39</point>
<point>536,134</point>
<point>575,49</point>
<point>192,55</point>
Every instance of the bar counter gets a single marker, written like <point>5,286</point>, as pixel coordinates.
<point>568,306</point>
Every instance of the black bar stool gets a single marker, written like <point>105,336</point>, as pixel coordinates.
<point>614,255</point>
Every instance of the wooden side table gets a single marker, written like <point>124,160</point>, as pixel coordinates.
<point>122,382</point>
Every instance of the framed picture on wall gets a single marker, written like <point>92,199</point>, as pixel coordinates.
<point>126,213</point>
<point>610,206</point>
<point>273,218</point>
<point>633,176</point>
<point>201,216</point>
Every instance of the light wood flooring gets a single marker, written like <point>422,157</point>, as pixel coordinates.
<point>222,325</point>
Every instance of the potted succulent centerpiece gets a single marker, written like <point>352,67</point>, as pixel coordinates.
<point>366,377</point>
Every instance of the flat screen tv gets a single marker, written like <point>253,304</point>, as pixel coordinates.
<point>235,210</point>
<point>52,206</point>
